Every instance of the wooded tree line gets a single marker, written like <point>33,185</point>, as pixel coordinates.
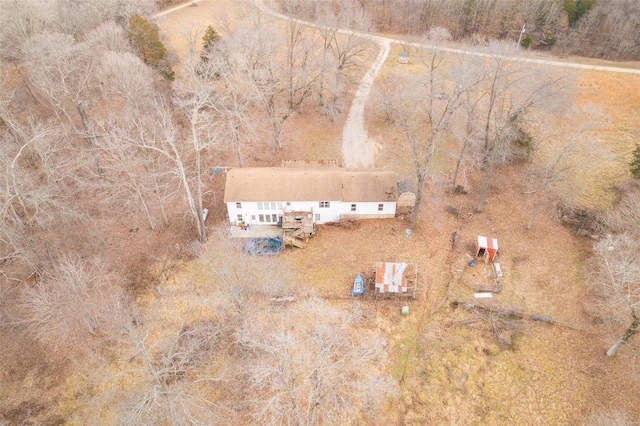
<point>97,131</point>
<point>86,115</point>
<point>486,112</point>
<point>591,28</point>
<point>93,131</point>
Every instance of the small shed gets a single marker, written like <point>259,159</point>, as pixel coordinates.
<point>403,58</point>
<point>487,248</point>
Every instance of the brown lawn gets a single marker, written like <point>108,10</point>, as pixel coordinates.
<point>453,366</point>
<point>452,369</point>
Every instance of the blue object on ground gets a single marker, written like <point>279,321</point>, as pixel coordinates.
<point>358,286</point>
<point>263,246</point>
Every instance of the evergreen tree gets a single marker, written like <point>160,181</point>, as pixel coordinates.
<point>145,40</point>
<point>576,8</point>
<point>635,162</point>
<point>211,37</point>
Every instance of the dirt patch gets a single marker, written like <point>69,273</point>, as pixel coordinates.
<point>30,381</point>
<point>453,367</point>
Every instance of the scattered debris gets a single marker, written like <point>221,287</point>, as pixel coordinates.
<point>459,189</point>
<point>587,223</point>
<point>454,235</point>
<point>454,211</point>
<point>282,299</point>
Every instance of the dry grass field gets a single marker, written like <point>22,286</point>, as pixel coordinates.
<point>454,366</point>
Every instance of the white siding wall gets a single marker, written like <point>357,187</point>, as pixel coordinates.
<point>250,213</point>
<point>369,209</point>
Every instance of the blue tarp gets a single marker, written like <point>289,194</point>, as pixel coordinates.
<point>263,246</point>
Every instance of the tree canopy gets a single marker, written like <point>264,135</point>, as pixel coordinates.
<point>210,38</point>
<point>635,162</point>
<point>145,40</point>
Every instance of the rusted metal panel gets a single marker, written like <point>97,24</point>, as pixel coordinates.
<point>390,277</point>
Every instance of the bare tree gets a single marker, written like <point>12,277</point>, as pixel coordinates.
<point>282,67</point>
<point>234,103</point>
<point>195,96</point>
<point>126,84</point>
<point>20,20</point>
<point>616,280</point>
<point>625,213</point>
<point>80,17</point>
<point>308,368</point>
<point>252,53</point>
<point>173,376</point>
<point>75,307</point>
<point>157,132</point>
<point>467,132</point>
<point>421,108</point>
<point>343,48</point>
<point>62,71</point>
<point>37,189</point>
<point>556,156</point>
<point>512,93</point>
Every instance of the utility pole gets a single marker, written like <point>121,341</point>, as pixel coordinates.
<point>521,34</point>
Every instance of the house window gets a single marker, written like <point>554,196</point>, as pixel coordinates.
<point>324,204</point>
<point>317,217</point>
<point>259,206</point>
<point>380,207</point>
<point>238,205</point>
<point>273,205</point>
<point>261,218</point>
<point>353,207</point>
<point>274,218</point>
<point>289,203</point>
<point>239,218</point>
<point>279,205</point>
<point>253,218</point>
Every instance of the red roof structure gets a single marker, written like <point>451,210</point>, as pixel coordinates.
<point>487,248</point>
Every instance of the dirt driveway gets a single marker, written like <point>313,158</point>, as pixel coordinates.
<point>358,149</point>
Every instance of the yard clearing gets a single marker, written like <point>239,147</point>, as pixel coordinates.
<point>454,367</point>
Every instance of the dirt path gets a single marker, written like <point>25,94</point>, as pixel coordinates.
<point>358,150</point>
<point>173,9</point>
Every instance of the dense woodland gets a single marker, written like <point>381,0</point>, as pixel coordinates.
<point>101,137</point>
<point>592,28</point>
